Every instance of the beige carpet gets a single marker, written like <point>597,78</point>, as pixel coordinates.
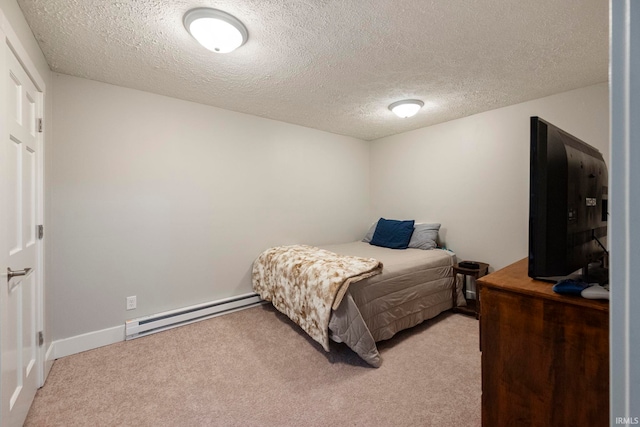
<point>255,368</point>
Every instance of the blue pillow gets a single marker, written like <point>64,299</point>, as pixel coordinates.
<point>393,234</point>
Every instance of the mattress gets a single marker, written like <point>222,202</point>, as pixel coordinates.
<point>415,285</point>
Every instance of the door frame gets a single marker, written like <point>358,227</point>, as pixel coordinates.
<point>624,206</point>
<point>10,40</point>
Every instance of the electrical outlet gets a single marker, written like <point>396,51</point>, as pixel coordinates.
<point>131,303</point>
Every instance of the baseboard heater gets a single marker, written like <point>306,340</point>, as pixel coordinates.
<point>147,325</point>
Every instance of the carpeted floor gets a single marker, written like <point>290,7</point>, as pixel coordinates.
<point>256,368</point>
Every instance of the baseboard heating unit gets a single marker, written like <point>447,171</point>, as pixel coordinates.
<point>147,325</point>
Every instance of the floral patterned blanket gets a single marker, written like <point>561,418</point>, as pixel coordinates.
<point>305,283</point>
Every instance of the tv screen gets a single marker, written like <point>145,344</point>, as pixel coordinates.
<point>567,203</point>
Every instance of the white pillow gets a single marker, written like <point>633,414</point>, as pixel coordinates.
<point>369,235</point>
<point>425,236</point>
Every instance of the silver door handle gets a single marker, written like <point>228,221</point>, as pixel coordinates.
<point>15,273</point>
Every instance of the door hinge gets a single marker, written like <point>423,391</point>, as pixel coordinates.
<point>40,232</point>
<point>39,125</point>
<point>40,339</point>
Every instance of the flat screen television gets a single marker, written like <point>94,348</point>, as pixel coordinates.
<point>567,206</point>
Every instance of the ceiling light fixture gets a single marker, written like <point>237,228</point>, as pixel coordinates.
<point>406,108</point>
<point>216,30</point>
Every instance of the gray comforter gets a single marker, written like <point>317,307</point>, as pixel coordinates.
<point>415,285</point>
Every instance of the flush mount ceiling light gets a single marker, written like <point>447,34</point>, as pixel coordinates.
<point>406,108</point>
<point>216,30</point>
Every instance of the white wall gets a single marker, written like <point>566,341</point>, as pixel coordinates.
<point>472,174</point>
<point>172,201</point>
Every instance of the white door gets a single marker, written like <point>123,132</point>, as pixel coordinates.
<point>18,210</point>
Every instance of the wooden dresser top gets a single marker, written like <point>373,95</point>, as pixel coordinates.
<point>514,278</point>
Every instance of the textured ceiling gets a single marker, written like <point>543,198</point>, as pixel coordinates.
<point>336,65</point>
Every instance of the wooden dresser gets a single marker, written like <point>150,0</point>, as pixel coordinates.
<point>545,357</point>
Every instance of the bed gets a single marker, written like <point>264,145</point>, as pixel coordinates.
<point>411,285</point>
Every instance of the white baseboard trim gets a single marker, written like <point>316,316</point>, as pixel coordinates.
<point>92,340</point>
<point>88,341</point>
<point>48,361</point>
